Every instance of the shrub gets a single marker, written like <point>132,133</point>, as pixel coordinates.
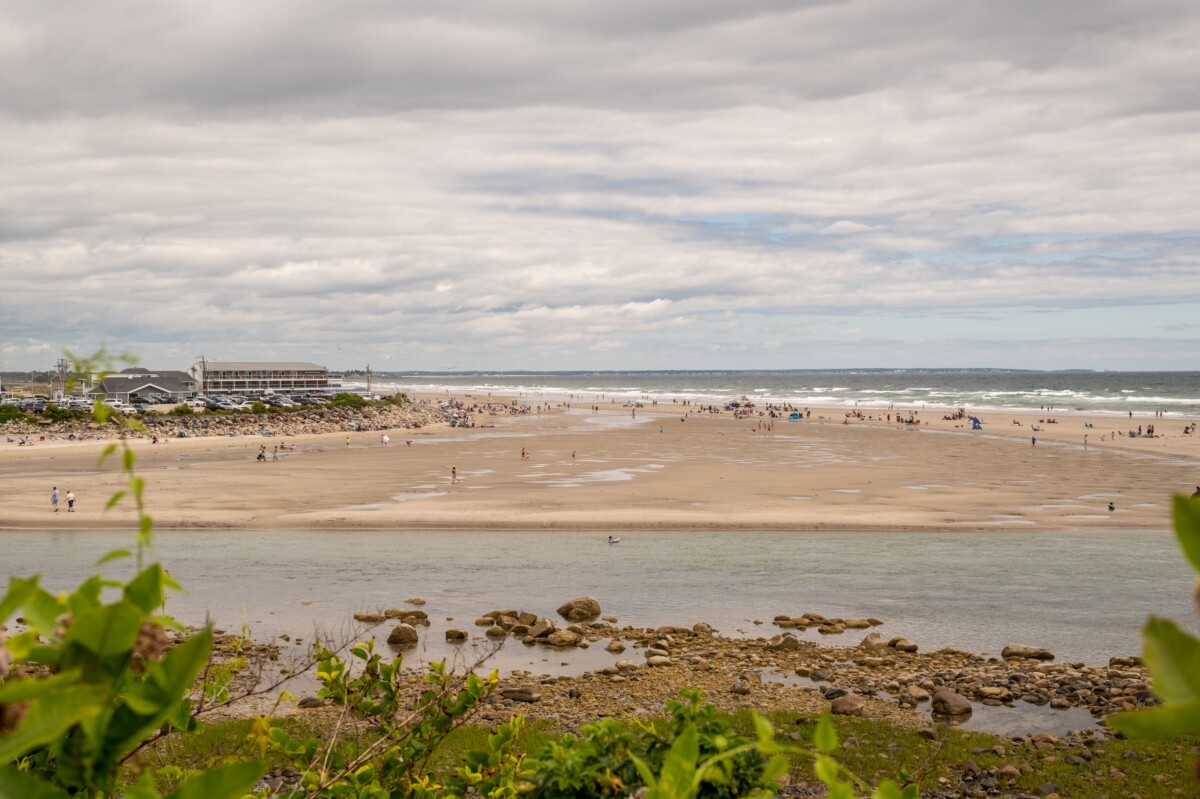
<point>182,410</point>
<point>347,400</point>
<point>258,407</point>
<point>57,414</point>
<point>11,413</point>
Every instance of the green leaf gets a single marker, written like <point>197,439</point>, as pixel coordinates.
<point>1159,722</point>
<point>108,630</point>
<point>41,608</point>
<point>224,782</point>
<point>840,790</point>
<point>1173,657</point>
<point>1187,528</point>
<point>87,596</point>
<point>887,790</point>
<point>763,730</point>
<point>116,554</point>
<point>18,591</point>
<point>825,738</point>
<point>776,767</point>
<point>111,448</point>
<point>50,716</point>
<point>115,498</point>
<point>153,700</point>
<point>146,590</point>
<point>26,689</point>
<point>17,784</point>
<point>826,769</point>
<point>679,767</point>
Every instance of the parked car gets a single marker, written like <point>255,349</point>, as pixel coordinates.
<point>196,402</point>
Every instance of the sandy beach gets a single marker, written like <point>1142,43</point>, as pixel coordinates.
<point>664,468</point>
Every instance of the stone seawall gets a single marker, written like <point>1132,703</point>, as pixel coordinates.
<point>289,423</point>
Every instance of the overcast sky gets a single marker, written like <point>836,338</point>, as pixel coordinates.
<point>551,184</point>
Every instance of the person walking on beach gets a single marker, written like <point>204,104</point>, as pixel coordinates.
<point>275,453</point>
<point>54,499</point>
<point>1033,441</point>
<point>453,475</point>
<point>70,501</point>
<point>347,442</point>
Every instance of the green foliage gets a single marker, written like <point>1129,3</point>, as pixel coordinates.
<point>394,761</point>
<point>1172,655</point>
<point>258,407</point>
<point>57,414</point>
<point>182,410</point>
<point>347,400</point>
<point>11,413</point>
<point>598,764</point>
<point>397,399</point>
<point>697,753</point>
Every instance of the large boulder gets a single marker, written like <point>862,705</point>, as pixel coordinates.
<point>948,703</point>
<point>456,636</point>
<point>403,636</point>
<point>369,618</point>
<point>584,608</point>
<point>783,643</point>
<point>873,642</point>
<point>521,693</point>
<point>563,638</point>
<point>1026,651</point>
<point>541,628</point>
<point>848,705</point>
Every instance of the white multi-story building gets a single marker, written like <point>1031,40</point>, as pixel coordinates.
<point>257,377</point>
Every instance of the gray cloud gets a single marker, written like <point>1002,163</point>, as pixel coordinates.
<point>591,185</point>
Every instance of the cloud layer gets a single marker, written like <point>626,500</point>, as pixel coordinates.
<point>584,185</point>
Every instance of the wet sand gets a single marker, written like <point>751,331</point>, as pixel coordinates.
<point>654,471</point>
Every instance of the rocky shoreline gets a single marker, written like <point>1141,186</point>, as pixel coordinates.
<point>879,678</point>
<point>375,417</point>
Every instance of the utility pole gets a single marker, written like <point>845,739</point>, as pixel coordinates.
<point>63,368</point>
<point>203,376</point>
<point>368,377</point>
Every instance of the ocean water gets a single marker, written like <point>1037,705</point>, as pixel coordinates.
<point>1084,596</point>
<point>1119,393</point>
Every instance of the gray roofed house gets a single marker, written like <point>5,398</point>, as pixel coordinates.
<point>159,386</point>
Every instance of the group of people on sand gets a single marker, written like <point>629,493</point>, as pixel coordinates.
<point>70,497</point>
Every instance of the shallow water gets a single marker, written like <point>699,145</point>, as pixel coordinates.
<point>1082,595</point>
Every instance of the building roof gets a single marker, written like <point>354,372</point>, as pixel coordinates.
<point>261,366</point>
<point>171,382</point>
